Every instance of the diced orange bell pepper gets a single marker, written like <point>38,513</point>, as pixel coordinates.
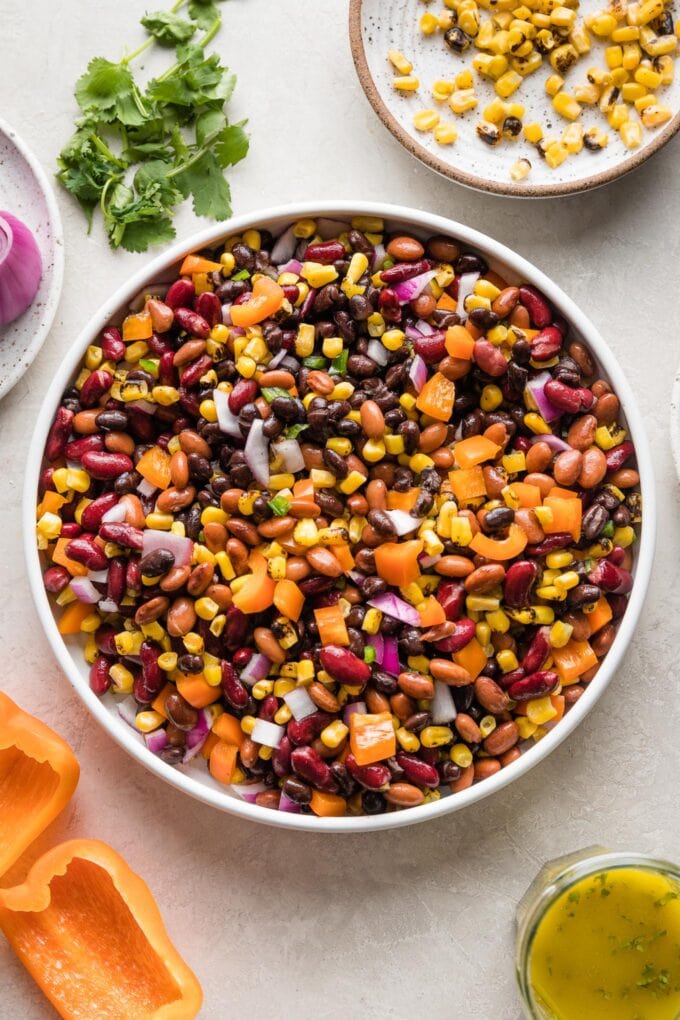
<point>267,298</point>
<point>158,703</point>
<point>72,617</point>
<point>328,805</point>
<point>600,616</point>
<point>472,658</point>
<point>257,594</point>
<point>59,556</point>
<point>563,493</point>
<point>474,450</point>
<point>332,626</point>
<point>288,599</point>
<point>500,548</point>
<point>402,500</point>
<point>566,516</point>
<point>138,327</point>
<point>223,761</point>
<point>432,613</point>
<point>371,737</point>
<point>397,562</point>
<point>197,691</point>
<point>572,661</point>
<point>304,489</point>
<point>89,932</point>
<point>197,264</point>
<point>208,745</point>
<point>459,343</point>
<point>468,484</point>
<point>446,303</point>
<point>51,503</point>
<point>38,774</point>
<point>437,397</point>
<point>228,729</point>
<point>154,465</point>
<point>343,555</point>
<point>525,494</point>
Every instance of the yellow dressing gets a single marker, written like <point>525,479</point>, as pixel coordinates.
<point>608,948</point>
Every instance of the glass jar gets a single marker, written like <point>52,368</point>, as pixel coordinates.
<point>553,880</point>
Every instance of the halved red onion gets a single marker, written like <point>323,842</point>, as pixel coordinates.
<point>300,703</point>
<point>156,741</point>
<point>291,266</point>
<point>84,590</point>
<point>378,257</point>
<point>466,286</point>
<point>227,421</point>
<point>390,661</point>
<point>277,359</point>
<point>20,268</point>
<point>267,733</point>
<point>257,452</point>
<point>286,804</point>
<point>182,548</point>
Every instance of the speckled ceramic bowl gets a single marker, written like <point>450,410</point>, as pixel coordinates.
<point>376,26</point>
<point>194,778</point>
<point>26,193</point>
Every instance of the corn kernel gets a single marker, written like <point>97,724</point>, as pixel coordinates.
<point>407,740</point>
<point>566,106</point>
<point>533,132</point>
<point>462,100</point>
<point>507,660</point>
<point>262,689</point>
<point>657,114</point>
<point>248,724</point>
<point>334,734</point>
<point>406,83</point>
<point>461,755</point>
<point>526,727</point>
<point>445,133</point>
<point>372,621</point>
<point>428,23</point>
<point>553,84</point>
<point>425,120</point>
<point>487,724</point>
<point>399,62</point>
<point>148,721</point>
<point>540,710</point>
<point>508,83</point>
<point>560,634</point>
<point>436,736</point>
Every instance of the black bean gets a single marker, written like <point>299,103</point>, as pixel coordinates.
<point>372,586</point>
<point>373,802</point>
<point>381,522</point>
<point>594,520</point>
<point>287,409</point>
<point>498,519</point>
<point>335,463</point>
<point>360,366</point>
<point>112,421</point>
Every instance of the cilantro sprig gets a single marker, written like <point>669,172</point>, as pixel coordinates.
<point>139,152</point>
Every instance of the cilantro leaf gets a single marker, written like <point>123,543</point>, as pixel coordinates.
<point>206,183</point>
<point>140,235</point>
<point>168,28</point>
<point>109,90</point>
<point>210,123</point>
<point>232,145</point>
<point>196,80</point>
<point>85,168</point>
<point>204,12</point>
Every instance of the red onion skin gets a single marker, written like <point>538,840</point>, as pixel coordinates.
<point>20,268</point>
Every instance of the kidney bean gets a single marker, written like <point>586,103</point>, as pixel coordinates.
<point>462,636</point>
<point>57,437</point>
<point>449,673</point>
<point>209,307</point>
<point>70,529</point>
<point>86,444</point>
<point>417,771</point>
<point>563,397</point>
<point>152,675</point>
<point>388,304</point>
<point>95,386</point>
<point>519,582</point>
<point>619,455</point>
<point>122,534</point>
<point>372,777</point>
<point>343,666</point>
<point>490,695</point>
<point>404,795</point>
<point>311,768</point>
<point>112,344</point>
<point>537,652</point>
<point>180,294</point>
<point>537,306</point>
<point>100,679</point>
<point>84,550</point>
<point>559,540</point>
<point>401,272</point>
<point>608,577</point>
<point>193,323</point>
<point>233,688</point>
<point>489,358</point>
<point>536,685</point>
<point>91,517</point>
<point>56,579</point>
<point>546,344</point>
<point>106,466</point>
<point>192,374</point>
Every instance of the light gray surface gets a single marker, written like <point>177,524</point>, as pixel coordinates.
<point>417,921</point>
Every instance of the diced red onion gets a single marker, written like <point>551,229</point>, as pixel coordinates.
<point>84,590</point>
<point>197,736</point>
<point>300,703</point>
<point>256,669</point>
<point>267,733</point>
<point>286,804</point>
<point>248,791</point>
<point>442,709</point>
<point>98,576</point>
<point>409,290</point>
<point>20,268</point>
<point>554,442</point>
<point>292,266</point>
<point>146,488</point>
<point>424,328</point>
<point>116,515</point>
<point>390,661</point>
<point>378,257</point>
<point>284,247</point>
<point>466,286</point>
<point>182,548</point>
<point>356,708</point>
<point>412,333</point>
<point>392,605</point>
<point>226,313</point>
<point>107,606</point>
<point>277,359</point>
<point>377,352</point>
<point>127,710</point>
<point>417,373</point>
<point>257,452</point>
<point>290,363</point>
<point>403,522</point>
<point>428,561</point>
<point>291,455</point>
<point>377,641</point>
<point>536,388</point>
<point>227,421</point>
<point>156,741</point>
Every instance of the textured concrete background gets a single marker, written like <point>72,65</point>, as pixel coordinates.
<point>416,921</point>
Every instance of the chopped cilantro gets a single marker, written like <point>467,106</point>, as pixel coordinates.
<point>339,364</point>
<point>272,392</point>
<point>279,506</point>
<point>242,275</point>
<point>369,653</point>
<point>293,431</point>
<point>314,361</point>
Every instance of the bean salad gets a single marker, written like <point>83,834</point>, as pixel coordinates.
<point>342,514</point>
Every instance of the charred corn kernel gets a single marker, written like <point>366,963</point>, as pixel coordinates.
<point>165,395</point>
<point>213,515</point>
<point>262,689</point>
<point>206,608</point>
<point>486,289</point>
<point>49,526</point>
<point>632,55</point>
<point>332,346</point>
<point>555,155</point>
<point>90,650</point>
<point>428,24</point>
<point>566,106</point>
<point>487,724</point>
<point>357,267</point>
<point>306,533</point>
<point>217,624</point>
<point>648,77</point>
<point>507,660</point>
<point>572,138</point>
<point>609,436</point>
<point>372,621</point>
<point>666,69</point>
<point>553,84</point>
<point>462,100</point>
<point>208,410</point>
<point>526,65</point>
<point>594,138</point>
<point>540,710</point>
<point>282,687</point>
<point>122,679</point>
<point>445,133</point>
<point>412,593</point>
<point>281,481</point>
<point>376,325</point>
<point>642,14</point>
<point>468,22</point>
<point>508,83</point>
<point>159,522</point>
<point>134,352</point>
<point>533,132</point>
<point>624,537</point>
<point>460,754</point>
<point>482,603</point>
<point>148,721</point>
<point>334,734</point>
<point>588,95</point>
<point>419,461</point>
<point>563,57</point>
<point>625,33</point>
<point>406,83</point>
<point>496,111</point>
<point>399,62</point>
<point>436,736</point>
<point>662,46</point>
<point>305,672</point>
<point>560,633</point>
<point>425,120</point>
<point>93,357</point>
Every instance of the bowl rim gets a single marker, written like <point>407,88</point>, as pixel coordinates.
<point>419,220</point>
<point>675,421</point>
<point>469,180</point>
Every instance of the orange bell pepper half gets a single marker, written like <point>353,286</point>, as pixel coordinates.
<point>327,805</point>
<point>397,562</point>
<point>38,774</point>
<point>600,616</point>
<point>467,484</point>
<point>88,931</point>
<point>258,591</point>
<point>472,658</point>
<point>403,500</point>
<point>436,397</point>
<point>371,737</point>
<point>500,548</point>
<point>288,599</point>
<point>431,613</point>
<point>267,298</point>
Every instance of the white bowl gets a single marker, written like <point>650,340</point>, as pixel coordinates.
<point>195,779</point>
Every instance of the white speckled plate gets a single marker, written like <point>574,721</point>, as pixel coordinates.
<point>675,422</point>
<point>377,26</point>
<point>26,193</point>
